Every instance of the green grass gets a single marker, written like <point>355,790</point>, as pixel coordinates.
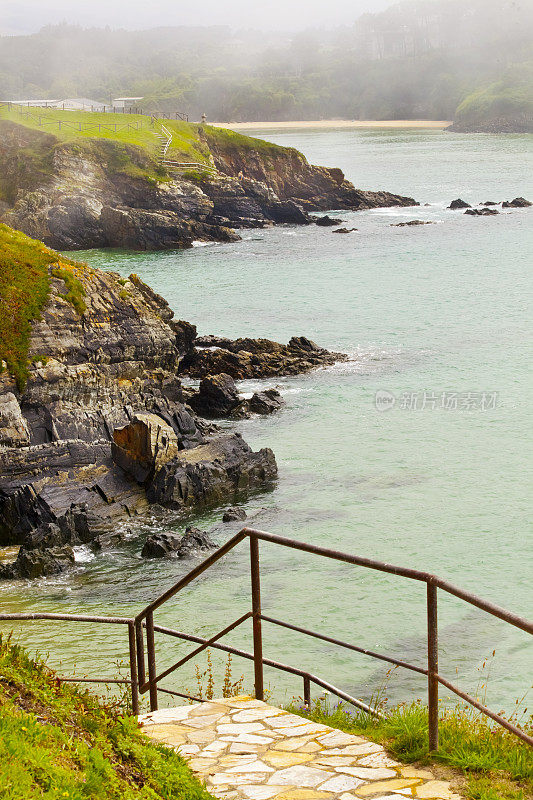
<point>86,126</point>
<point>25,268</point>
<point>496,764</point>
<point>75,291</point>
<point>57,741</point>
<point>229,140</point>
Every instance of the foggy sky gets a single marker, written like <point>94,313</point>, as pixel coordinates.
<point>27,16</point>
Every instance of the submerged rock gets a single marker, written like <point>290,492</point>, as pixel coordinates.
<point>344,230</point>
<point>482,212</point>
<point>412,222</point>
<point>234,514</point>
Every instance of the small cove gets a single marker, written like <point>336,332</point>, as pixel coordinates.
<point>438,309</point>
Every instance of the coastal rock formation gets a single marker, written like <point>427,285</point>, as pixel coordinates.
<point>265,402</point>
<point>457,204</point>
<point>234,514</point>
<point>518,202</point>
<point>209,475</point>
<point>327,222</point>
<point>96,424</point>
<point>481,212</point>
<point>217,396</point>
<point>411,223</point>
<point>171,545</point>
<point>103,193</point>
<point>255,358</point>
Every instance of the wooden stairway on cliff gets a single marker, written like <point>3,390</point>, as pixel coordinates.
<point>164,135</point>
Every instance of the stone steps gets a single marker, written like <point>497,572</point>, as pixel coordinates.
<point>244,749</point>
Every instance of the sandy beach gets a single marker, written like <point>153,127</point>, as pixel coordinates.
<point>336,123</point>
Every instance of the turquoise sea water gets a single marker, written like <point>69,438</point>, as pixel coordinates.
<point>436,315</point>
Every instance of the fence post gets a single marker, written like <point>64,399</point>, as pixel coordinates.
<point>150,645</point>
<point>140,651</point>
<point>433,668</point>
<point>307,692</point>
<point>256,610</point>
<point>133,669</point>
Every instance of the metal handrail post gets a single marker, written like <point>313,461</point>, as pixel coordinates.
<point>141,672</point>
<point>152,673</point>
<point>433,667</point>
<point>256,610</point>
<point>133,669</point>
<point>307,692</point>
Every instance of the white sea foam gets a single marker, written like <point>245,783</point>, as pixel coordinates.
<point>82,554</point>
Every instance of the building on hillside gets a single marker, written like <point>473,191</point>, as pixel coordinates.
<point>79,104</point>
<point>125,103</point>
<point>71,104</point>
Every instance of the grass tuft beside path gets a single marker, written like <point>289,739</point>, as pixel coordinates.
<point>497,765</point>
<point>57,741</point>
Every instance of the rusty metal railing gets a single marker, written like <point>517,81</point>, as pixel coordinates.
<point>143,659</point>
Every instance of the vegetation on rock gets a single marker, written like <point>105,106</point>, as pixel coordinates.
<point>24,287</point>
<point>58,741</point>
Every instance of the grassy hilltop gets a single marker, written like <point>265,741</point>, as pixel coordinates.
<point>190,141</point>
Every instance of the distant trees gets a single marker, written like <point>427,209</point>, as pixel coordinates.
<point>420,58</point>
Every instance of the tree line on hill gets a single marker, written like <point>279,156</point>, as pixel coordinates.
<point>418,59</point>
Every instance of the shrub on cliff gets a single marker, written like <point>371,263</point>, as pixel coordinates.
<point>57,741</point>
<point>24,289</point>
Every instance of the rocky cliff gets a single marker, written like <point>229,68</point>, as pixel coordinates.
<point>103,193</point>
<point>98,425</point>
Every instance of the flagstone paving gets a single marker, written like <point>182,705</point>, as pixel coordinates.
<point>244,749</point>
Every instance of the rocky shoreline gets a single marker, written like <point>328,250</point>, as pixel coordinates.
<point>101,193</point>
<point>104,428</point>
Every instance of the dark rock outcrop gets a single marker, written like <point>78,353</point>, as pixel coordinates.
<point>518,202</point>
<point>344,230</point>
<point>412,222</point>
<point>482,212</point>
<point>457,204</point>
<point>255,358</point>
<point>265,402</point>
<point>102,413</point>
<point>171,545</point>
<point>327,222</point>
<point>47,548</point>
<point>212,474</point>
<point>217,396</point>
<point>234,514</point>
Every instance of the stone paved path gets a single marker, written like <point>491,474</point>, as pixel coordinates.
<point>244,749</point>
